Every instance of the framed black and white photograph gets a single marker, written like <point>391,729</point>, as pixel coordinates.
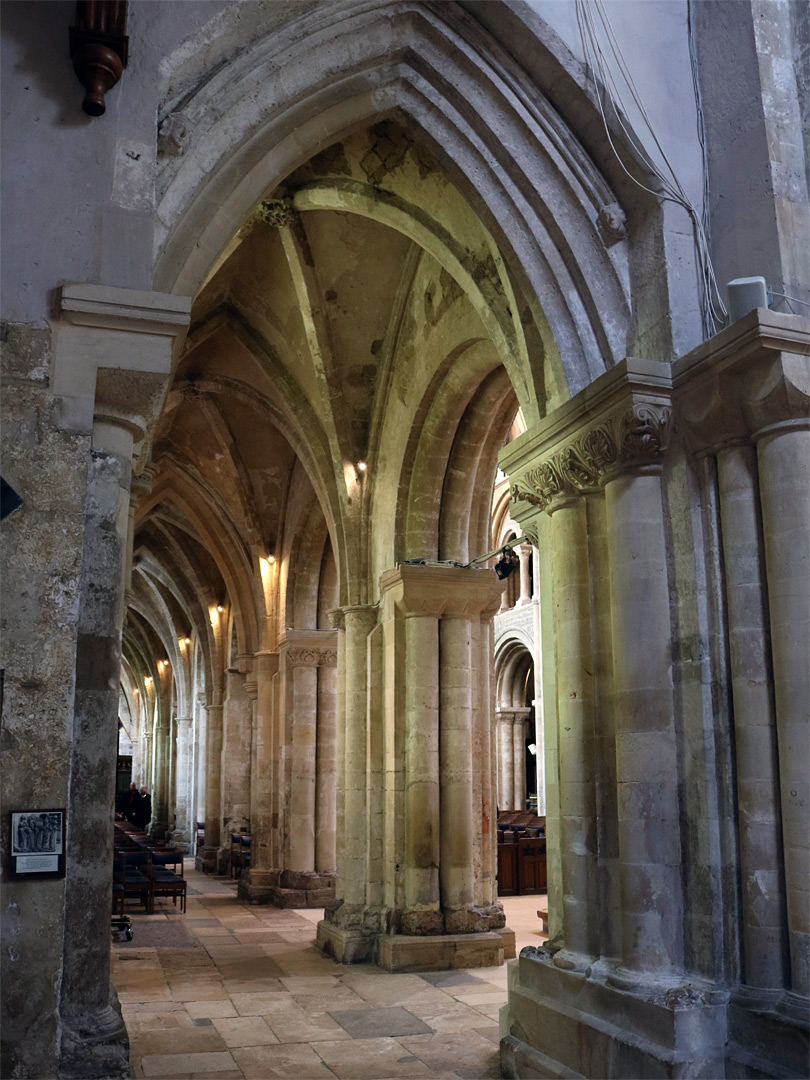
<point>37,844</point>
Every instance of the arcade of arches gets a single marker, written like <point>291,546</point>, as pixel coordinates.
<point>366,295</point>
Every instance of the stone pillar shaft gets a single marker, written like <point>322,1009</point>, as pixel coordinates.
<point>760,827</point>
<point>85,989</point>
<point>326,771</point>
<point>783,456</point>
<point>575,719</point>
<point>519,761</point>
<point>646,756</point>
<point>351,868</point>
<point>506,762</point>
<point>422,849</point>
<point>182,825</point>
<point>304,680</point>
<point>525,556</point>
<point>213,778</point>
<point>456,765</point>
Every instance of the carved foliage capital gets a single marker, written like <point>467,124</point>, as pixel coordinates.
<point>276,212</point>
<point>630,438</point>
<point>312,657</point>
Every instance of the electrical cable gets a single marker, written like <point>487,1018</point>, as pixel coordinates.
<point>609,93</point>
<point>784,296</point>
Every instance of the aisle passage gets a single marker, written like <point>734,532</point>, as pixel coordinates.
<point>231,991</point>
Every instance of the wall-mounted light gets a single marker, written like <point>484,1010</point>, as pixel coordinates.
<point>220,607</point>
<point>134,689</point>
<point>361,466</point>
<point>271,559</point>
<point>186,640</point>
<point>148,679</point>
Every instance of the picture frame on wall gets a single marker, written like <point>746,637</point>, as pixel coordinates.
<point>37,845</point>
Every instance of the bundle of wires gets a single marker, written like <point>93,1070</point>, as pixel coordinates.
<point>609,96</point>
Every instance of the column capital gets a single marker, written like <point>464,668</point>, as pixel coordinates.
<point>441,590</point>
<point>619,423</point>
<point>749,381</point>
<point>313,648</point>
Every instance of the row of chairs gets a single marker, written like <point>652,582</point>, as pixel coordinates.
<point>240,853</point>
<point>141,870</point>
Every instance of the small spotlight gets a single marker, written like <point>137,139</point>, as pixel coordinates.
<point>361,466</point>
<point>148,679</point>
<point>506,564</point>
<point>271,559</point>
<point>186,640</point>
<point>134,689</point>
<point>220,607</point>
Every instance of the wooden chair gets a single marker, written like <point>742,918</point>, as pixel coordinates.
<point>167,882</point>
<point>136,882</point>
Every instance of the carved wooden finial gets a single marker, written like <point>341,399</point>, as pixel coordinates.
<point>98,49</point>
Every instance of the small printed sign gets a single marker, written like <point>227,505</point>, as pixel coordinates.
<point>37,844</point>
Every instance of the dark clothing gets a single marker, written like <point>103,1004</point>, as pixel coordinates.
<point>132,806</point>
<point>144,810</point>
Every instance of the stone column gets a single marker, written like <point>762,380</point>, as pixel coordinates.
<point>351,858</point>
<point>506,760</point>
<point>440,610</point>
<point>749,387</point>
<point>783,456</point>
<point>236,752</point>
<point>256,884</point>
<point>525,556</point>
<point>303,706</point>
<point>146,767</point>
<point>326,768</point>
<point>207,859</point>
<point>161,798</point>
<point>346,932</point>
<point>134,332</point>
<point>457,820</point>
<point>646,752</point>
<point>760,832</point>
<point>519,759</point>
<point>183,827</point>
<point>422,914</point>
<point>572,620</point>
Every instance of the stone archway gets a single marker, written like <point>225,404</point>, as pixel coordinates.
<point>520,742</point>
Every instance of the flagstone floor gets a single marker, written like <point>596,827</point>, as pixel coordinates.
<point>234,992</point>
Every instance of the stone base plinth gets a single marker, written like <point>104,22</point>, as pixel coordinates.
<point>258,886</point>
<point>765,1039</point>
<point>563,1024</point>
<point>96,1045</point>
<point>290,890</point>
<point>509,947</point>
<point>439,952</point>
<point>344,945</point>
<point>207,860</point>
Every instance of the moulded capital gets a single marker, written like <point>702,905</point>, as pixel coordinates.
<point>752,377</point>
<point>619,423</point>
<point>441,590</point>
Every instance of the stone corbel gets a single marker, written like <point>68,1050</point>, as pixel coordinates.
<point>745,381</point>
<point>619,423</point>
<point>113,359</point>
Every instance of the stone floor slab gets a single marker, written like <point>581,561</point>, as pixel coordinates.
<point>281,1063</point>
<point>373,1023</point>
<point>165,1065</point>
